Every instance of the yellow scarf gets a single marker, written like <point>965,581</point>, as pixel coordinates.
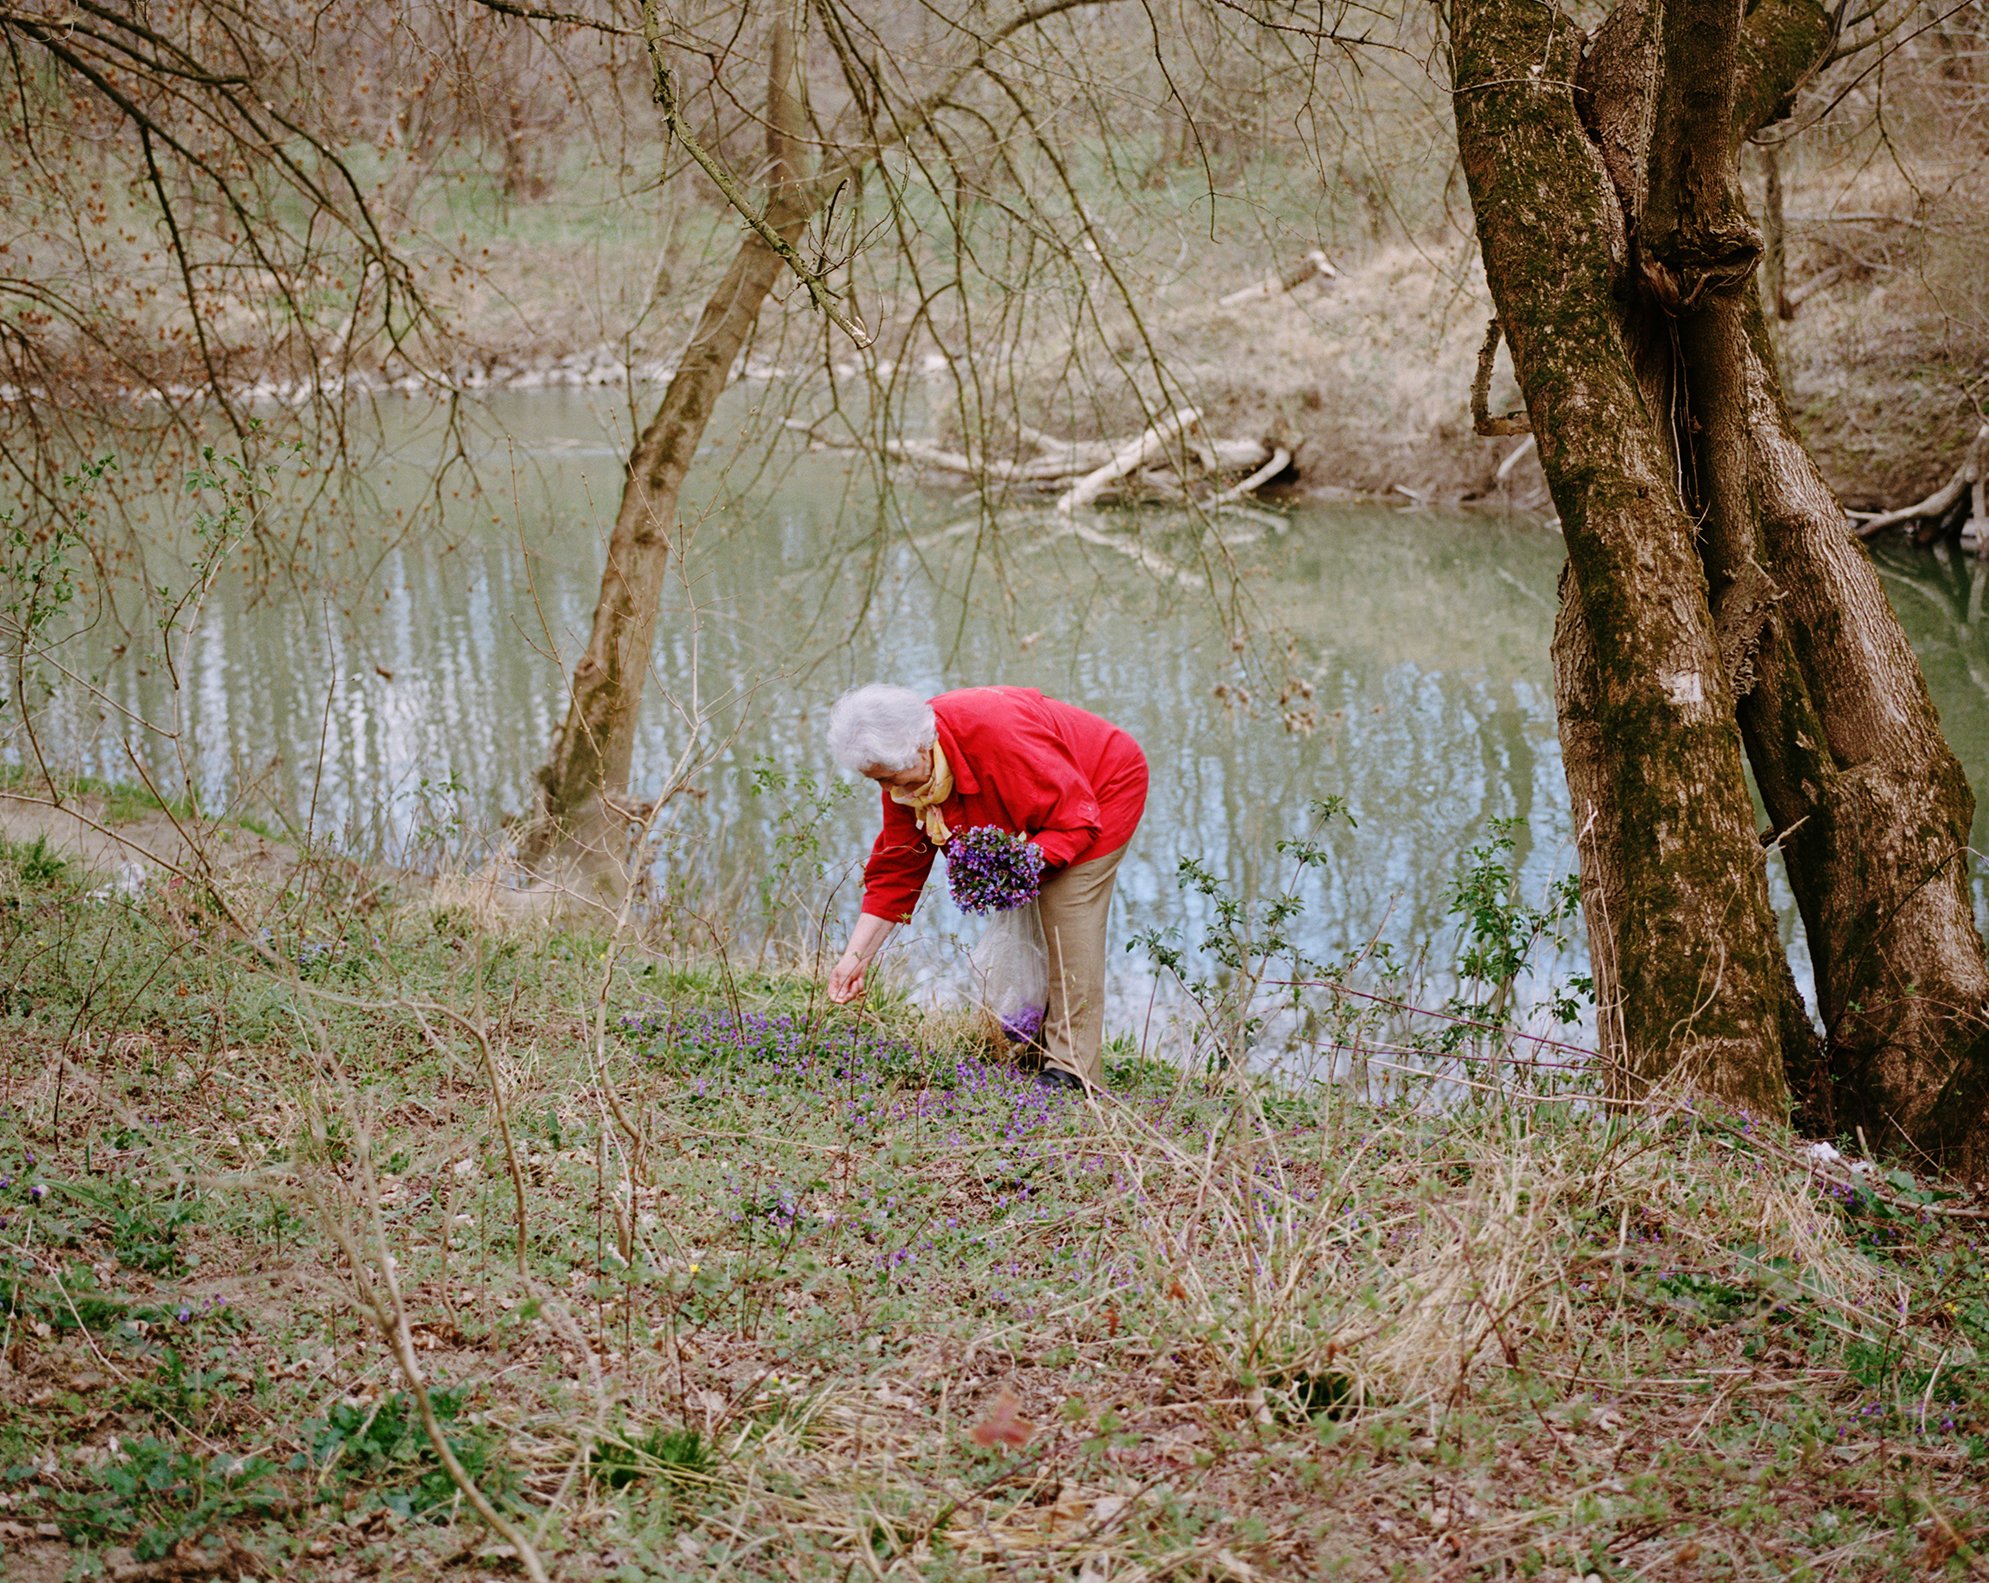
<point>924,801</point>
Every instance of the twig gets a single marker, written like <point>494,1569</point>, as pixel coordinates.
<point>497,1103</point>
<point>1482,421</point>
<point>390,1315</point>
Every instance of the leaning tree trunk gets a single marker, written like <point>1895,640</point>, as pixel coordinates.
<point>1623,230</point>
<point>1870,807</point>
<point>584,783</point>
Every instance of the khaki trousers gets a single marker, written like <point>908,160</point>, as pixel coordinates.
<point>1074,905</point>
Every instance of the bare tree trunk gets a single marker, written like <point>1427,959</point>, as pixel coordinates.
<point>1702,984</point>
<point>1867,802</point>
<point>1872,809</point>
<point>1852,765</point>
<point>584,782</point>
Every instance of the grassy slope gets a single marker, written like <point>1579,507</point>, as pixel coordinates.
<point>779,1271</point>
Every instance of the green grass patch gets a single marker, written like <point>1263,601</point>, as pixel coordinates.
<point>802,1284</point>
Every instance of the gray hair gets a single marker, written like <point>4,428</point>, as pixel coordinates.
<point>880,727</point>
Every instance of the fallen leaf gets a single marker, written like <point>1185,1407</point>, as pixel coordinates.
<point>1942,1543</point>
<point>1108,1509</point>
<point>1003,1426</point>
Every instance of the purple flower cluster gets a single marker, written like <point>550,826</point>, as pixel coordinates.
<point>872,1082</point>
<point>1023,1025</point>
<point>990,870</point>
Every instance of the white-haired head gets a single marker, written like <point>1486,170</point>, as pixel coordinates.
<point>880,727</point>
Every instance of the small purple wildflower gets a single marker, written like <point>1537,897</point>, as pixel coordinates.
<point>990,870</point>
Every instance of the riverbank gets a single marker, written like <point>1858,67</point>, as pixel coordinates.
<point>699,1278</point>
<point>1364,374</point>
<point>1362,370</point>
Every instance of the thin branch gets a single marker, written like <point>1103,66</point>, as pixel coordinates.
<point>1482,421</point>
<point>664,92</point>
<point>563,18</point>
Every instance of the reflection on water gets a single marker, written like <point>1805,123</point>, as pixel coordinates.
<point>1424,637</point>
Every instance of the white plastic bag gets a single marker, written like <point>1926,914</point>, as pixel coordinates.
<point>1011,965</point>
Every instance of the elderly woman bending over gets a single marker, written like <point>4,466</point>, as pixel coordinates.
<point>1005,756</point>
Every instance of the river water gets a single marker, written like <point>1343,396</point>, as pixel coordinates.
<point>428,692</point>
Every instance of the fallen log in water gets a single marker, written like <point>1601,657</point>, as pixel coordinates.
<point>1170,460</point>
<point>1149,448</point>
<point>1280,460</point>
<point>1961,500</point>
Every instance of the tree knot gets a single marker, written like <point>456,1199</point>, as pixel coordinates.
<point>1687,268</point>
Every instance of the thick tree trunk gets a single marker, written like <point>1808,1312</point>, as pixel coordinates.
<point>1852,764</point>
<point>1871,806</point>
<point>1867,803</point>
<point>1694,242</point>
<point>584,812</point>
<point>1673,871</point>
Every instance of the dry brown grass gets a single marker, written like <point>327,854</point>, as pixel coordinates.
<point>841,1298</point>
<point>1888,364</point>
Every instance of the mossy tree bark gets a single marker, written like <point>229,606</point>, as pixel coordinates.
<point>584,812</point>
<point>1873,808</point>
<point>1713,597</point>
<point>1673,876</point>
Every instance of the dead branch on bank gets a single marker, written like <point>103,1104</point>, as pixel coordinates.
<point>1133,457</point>
<point>1171,460</point>
<point>1312,267</point>
<point>1482,421</point>
<point>1957,510</point>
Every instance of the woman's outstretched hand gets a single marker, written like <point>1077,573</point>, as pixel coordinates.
<point>846,978</point>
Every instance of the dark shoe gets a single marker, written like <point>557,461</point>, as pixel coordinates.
<point>1055,1077</point>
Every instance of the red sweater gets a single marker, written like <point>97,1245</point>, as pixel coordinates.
<point>1071,782</point>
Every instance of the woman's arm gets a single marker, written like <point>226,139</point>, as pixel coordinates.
<point>900,860</point>
<point>846,978</point>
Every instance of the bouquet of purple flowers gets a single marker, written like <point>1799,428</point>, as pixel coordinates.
<point>989,870</point>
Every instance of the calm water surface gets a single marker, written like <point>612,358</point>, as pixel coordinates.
<point>1423,636</point>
